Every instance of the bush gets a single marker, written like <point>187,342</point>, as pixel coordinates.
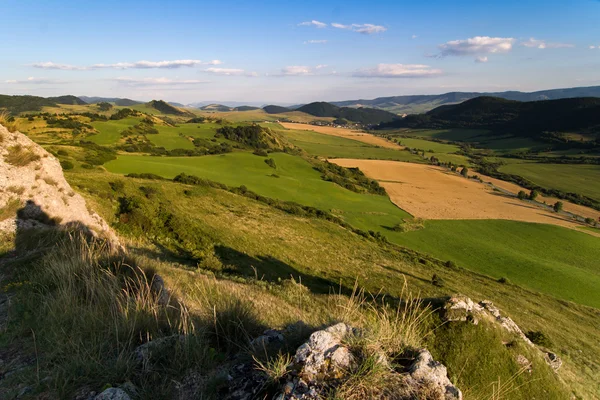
<point>539,338</point>
<point>260,152</point>
<point>503,280</point>
<point>87,166</point>
<point>558,206</point>
<point>533,194</point>
<point>465,172</point>
<point>270,162</point>
<point>66,165</point>
<point>450,264</point>
<point>117,186</point>
<point>437,281</point>
<point>62,152</point>
<point>590,221</point>
<point>522,195</point>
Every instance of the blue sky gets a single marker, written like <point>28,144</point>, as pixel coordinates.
<point>292,52</point>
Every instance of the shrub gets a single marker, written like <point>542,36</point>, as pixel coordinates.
<point>437,281</point>
<point>62,152</point>
<point>522,195</point>
<point>270,162</point>
<point>539,338</point>
<point>450,264</point>
<point>503,280</point>
<point>117,186</point>
<point>8,121</point>
<point>558,206</point>
<point>149,192</point>
<point>533,194</point>
<point>465,172</point>
<point>66,165</point>
<point>260,152</point>
<point>87,166</point>
<point>590,221</point>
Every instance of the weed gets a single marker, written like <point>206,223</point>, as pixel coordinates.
<point>20,156</point>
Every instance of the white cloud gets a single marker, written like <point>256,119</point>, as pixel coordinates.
<point>157,82</point>
<point>35,81</point>
<point>318,24</point>
<point>315,42</point>
<point>477,45</point>
<point>481,59</point>
<point>542,44</point>
<point>398,71</point>
<point>414,37</point>
<point>594,47</point>
<point>320,66</point>
<point>230,72</point>
<point>127,65</point>
<point>366,29</point>
<point>296,70</point>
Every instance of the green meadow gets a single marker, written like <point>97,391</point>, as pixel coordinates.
<point>110,131</point>
<point>546,258</point>
<point>295,180</point>
<point>328,146</point>
<point>428,145</point>
<point>575,178</point>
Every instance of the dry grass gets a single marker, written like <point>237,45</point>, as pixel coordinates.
<point>10,209</point>
<point>50,181</point>
<point>18,190</point>
<point>20,156</point>
<point>5,120</point>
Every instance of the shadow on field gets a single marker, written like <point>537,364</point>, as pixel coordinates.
<point>271,269</point>
<point>399,271</point>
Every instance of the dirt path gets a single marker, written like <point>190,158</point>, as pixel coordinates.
<point>346,133</point>
<point>431,192</point>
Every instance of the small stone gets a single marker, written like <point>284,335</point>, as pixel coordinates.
<point>113,394</point>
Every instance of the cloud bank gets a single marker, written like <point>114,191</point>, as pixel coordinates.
<point>173,64</point>
<point>398,71</point>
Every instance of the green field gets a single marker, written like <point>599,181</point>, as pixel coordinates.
<point>110,131</point>
<point>322,145</point>
<point>582,178</point>
<point>549,259</point>
<point>452,135</point>
<point>428,146</point>
<point>297,181</point>
<point>546,258</point>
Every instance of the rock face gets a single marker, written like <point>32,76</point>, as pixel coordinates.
<point>325,360</point>
<point>462,308</point>
<point>426,370</point>
<point>36,184</point>
<point>113,394</point>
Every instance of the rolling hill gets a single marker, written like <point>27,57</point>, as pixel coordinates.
<point>116,100</point>
<point>272,109</point>
<point>18,104</point>
<point>533,119</point>
<point>166,108</point>
<point>360,115</point>
<point>413,104</point>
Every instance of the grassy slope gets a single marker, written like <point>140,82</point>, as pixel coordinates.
<point>325,256</point>
<point>322,145</point>
<point>297,182</point>
<point>428,145</point>
<point>497,248</point>
<point>568,178</point>
<point>550,259</point>
<point>110,131</point>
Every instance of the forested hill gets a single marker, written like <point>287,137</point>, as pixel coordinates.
<point>367,116</point>
<point>580,115</point>
<point>414,104</point>
<point>18,104</point>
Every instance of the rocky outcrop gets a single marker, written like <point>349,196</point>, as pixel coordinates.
<point>32,183</point>
<point>462,308</point>
<point>325,361</point>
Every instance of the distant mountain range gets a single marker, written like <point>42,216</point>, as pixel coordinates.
<point>534,119</point>
<point>416,104</point>
<point>368,116</point>
<point>116,100</point>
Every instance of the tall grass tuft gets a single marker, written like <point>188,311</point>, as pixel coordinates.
<point>20,156</point>
<point>8,122</point>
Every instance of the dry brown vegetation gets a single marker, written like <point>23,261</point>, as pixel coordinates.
<point>432,192</point>
<point>345,133</point>
<point>20,156</point>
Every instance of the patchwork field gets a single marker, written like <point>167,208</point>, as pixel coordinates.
<point>328,146</point>
<point>431,192</point>
<point>294,180</point>
<point>346,133</point>
<point>582,178</point>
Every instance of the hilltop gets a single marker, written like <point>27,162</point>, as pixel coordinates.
<point>165,108</point>
<point>534,119</point>
<point>18,104</point>
<point>413,104</point>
